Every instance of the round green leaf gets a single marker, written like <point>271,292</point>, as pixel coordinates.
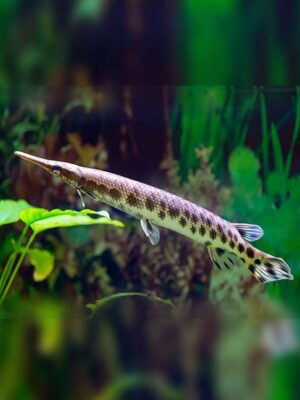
<point>43,263</point>
<point>10,210</point>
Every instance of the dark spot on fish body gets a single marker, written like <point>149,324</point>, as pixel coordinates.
<point>132,200</point>
<point>173,212</point>
<point>208,243</point>
<point>202,230</point>
<point>187,214</point>
<point>182,222</point>
<point>161,214</point>
<point>230,234</point>
<point>226,265</point>
<point>235,237</point>
<point>136,192</point>
<point>250,252</point>
<point>208,222</point>
<point>91,185</point>
<point>232,244</point>
<point>219,228</point>
<point>193,229</point>
<point>162,204</point>
<point>241,248</point>
<point>257,261</point>
<point>115,193</point>
<point>194,218</point>
<point>242,259</point>
<point>213,234</point>
<point>223,237</point>
<point>252,268</point>
<point>150,204</point>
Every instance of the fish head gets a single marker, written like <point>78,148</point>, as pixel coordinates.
<point>67,172</point>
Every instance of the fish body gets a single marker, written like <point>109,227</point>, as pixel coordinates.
<point>227,243</point>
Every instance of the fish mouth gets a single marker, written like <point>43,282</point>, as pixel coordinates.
<point>41,162</point>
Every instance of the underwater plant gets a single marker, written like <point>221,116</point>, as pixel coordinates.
<point>38,220</point>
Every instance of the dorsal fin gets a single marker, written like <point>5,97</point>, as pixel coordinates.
<point>249,232</point>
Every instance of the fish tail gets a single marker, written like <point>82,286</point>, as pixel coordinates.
<point>267,268</point>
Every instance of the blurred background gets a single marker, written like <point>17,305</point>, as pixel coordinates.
<point>199,98</point>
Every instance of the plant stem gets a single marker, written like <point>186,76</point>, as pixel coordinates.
<point>10,262</point>
<point>17,267</point>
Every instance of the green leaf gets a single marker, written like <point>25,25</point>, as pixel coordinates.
<point>43,263</point>
<point>102,302</point>
<point>40,219</point>
<point>10,210</point>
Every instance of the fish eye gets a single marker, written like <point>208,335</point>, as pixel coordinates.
<point>56,169</point>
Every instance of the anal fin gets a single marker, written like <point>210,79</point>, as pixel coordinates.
<point>223,259</point>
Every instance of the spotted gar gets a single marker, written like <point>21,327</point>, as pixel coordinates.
<point>227,242</point>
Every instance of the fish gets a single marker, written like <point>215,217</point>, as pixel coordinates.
<point>227,243</point>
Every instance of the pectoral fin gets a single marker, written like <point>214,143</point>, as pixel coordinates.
<point>81,198</point>
<point>151,231</point>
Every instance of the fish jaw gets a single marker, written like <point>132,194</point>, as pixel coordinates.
<point>67,172</point>
<point>41,162</point>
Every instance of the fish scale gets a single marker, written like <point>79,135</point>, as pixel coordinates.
<point>227,243</point>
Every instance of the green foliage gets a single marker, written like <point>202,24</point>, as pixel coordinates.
<point>43,263</point>
<point>219,118</point>
<point>243,167</point>
<point>276,209</point>
<point>10,210</point>
<point>39,220</point>
<point>209,116</point>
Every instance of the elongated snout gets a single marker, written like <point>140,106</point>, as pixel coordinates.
<point>41,162</point>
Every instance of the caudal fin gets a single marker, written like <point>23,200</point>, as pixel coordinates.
<point>269,269</point>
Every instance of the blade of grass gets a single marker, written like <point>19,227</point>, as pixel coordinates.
<point>264,130</point>
<point>10,262</point>
<point>17,267</point>
<point>295,135</point>
<point>246,121</point>
<point>278,157</point>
